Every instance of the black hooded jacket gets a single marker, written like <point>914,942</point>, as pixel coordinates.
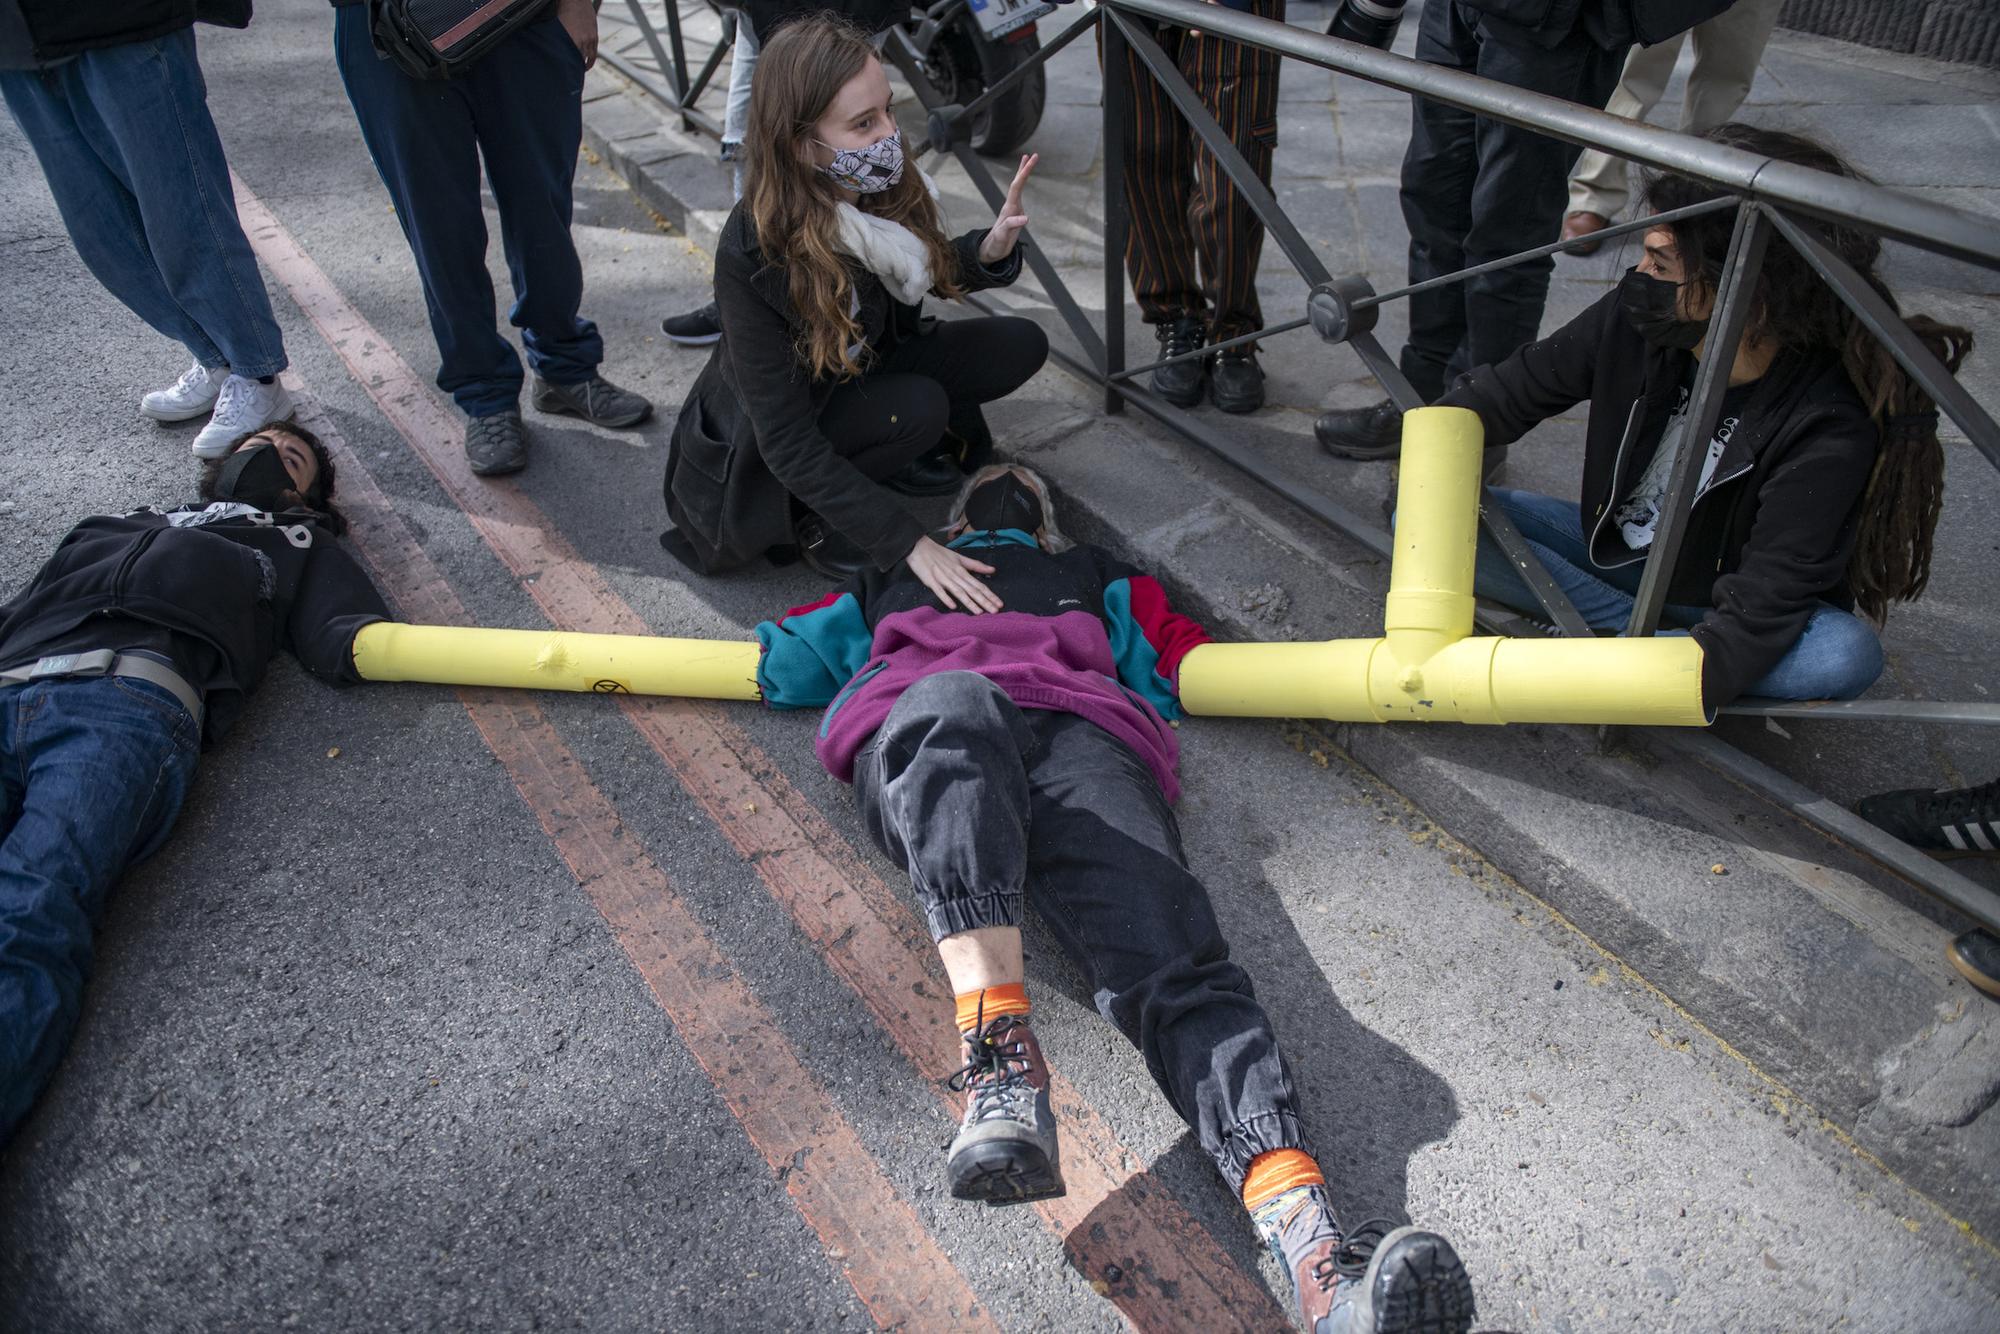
<point>218,590</point>
<point>1773,531</point>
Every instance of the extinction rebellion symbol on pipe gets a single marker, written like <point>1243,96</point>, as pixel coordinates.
<point>609,687</point>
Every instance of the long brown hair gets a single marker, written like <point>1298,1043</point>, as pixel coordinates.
<point>801,70</point>
<point>1792,307</point>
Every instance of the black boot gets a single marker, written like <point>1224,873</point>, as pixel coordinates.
<point>1180,384</point>
<point>968,436</point>
<point>1365,435</point>
<point>1236,381</point>
<point>826,552</point>
<point>930,474</point>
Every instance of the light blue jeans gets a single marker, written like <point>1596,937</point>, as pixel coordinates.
<point>1837,656</point>
<point>136,168</point>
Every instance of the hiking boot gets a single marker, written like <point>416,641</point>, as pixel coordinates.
<point>186,398</point>
<point>1005,1151</point>
<point>1976,955</point>
<point>1366,435</point>
<point>1380,1280</point>
<point>1235,381</point>
<point>1582,222</point>
<point>1180,384</point>
<point>697,328</point>
<point>1958,822</point>
<point>496,444</point>
<point>826,552</point>
<point>930,474</point>
<point>596,400</point>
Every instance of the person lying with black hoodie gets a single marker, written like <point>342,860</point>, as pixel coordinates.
<point>1816,504</point>
<point>133,647</point>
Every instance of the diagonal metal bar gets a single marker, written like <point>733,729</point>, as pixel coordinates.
<point>1113,59</point>
<point>904,56</point>
<point>1883,321</point>
<point>652,36</point>
<point>1561,611</point>
<point>1725,328</point>
<point>1210,349</point>
<point>1034,62</point>
<point>642,78</point>
<point>1213,137</point>
<point>1595,238</point>
<point>724,45</point>
<point>1384,368</point>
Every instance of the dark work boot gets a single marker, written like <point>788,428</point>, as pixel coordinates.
<point>968,436</point>
<point>1180,384</point>
<point>825,551</point>
<point>596,400</point>
<point>1365,435</point>
<point>1236,382</point>
<point>1005,1151</point>
<point>934,473</point>
<point>1380,1280</point>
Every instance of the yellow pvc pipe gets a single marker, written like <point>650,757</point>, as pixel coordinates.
<point>1437,532</point>
<point>557,660</point>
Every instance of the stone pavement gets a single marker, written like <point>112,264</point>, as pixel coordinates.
<point>1817,963</point>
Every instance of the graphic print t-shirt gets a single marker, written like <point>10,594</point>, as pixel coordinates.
<point>1639,515</point>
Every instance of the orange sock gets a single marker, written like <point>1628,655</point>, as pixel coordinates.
<point>989,1003</point>
<point>1276,1171</point>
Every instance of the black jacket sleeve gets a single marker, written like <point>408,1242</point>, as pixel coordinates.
<point>777,396</point>
<point>1800,542</point>
<point>1548,376</point>
<point>334,601</point>
<point>973,276</point>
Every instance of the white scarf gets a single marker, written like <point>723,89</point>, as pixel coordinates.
<point>887,249</point>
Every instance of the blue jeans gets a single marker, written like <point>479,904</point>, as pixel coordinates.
<point>133,160</point>
<point>521,108</point>
<point>92,776</point>
<point>1837,656</point>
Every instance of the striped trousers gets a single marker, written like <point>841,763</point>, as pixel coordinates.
<point>1185,212</point>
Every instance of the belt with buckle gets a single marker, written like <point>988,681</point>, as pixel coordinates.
<point>109,662</point>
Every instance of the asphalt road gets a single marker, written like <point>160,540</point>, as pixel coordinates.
<point>451,1011</point>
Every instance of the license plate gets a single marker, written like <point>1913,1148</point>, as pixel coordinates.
<point>997,18</point>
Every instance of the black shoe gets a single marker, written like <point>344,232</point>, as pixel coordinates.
<point>1976,954</point>
<point>697,328</point>
<point>1005,1151</point>
<point>596,400</point>
<point>969,438</point>
<point>1236,382</point>
<point>1365,435</point>
<point>1180,384</point>
<point>826,552</point>
<point>496,444</point>
<point>1963,822</point>
<point>932,474</point>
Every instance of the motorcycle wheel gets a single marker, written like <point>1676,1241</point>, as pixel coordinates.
<point>964,63</point>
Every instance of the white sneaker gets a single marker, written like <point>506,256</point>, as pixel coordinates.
<point>241,407</point>
<point>186,398</point>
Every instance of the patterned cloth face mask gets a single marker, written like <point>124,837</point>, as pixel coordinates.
<point>867,170</point>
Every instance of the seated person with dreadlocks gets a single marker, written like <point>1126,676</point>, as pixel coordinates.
<point>1821,485</point>
<point>1025,753</point>
<point>131,648</point>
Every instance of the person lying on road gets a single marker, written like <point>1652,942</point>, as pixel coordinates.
<point>1019,754</point>
<point>133,646</point>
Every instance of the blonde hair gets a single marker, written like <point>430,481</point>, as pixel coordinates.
<point>1049,537</point>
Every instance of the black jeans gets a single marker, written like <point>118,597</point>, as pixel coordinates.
<point>1476,190</point>
<point>521,110</point>
<point>981,800</point>
<point>899,409</point>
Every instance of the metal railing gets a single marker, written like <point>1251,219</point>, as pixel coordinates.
<point>1768,196</point>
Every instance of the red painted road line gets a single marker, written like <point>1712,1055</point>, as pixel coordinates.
<point>1121,1229</point>
<point>892,1262</point>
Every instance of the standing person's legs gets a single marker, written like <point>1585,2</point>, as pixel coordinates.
<point>1599,183</point>
<point>527,109</point>
<point>1159,249</point>
<point>421,136</point>
<point>1106,872</point>
<point>1239,86</point>
<point>736,110</point>
<point>1439,168</point>
<point>1518,194</point>
<point>1727,50</point>
<point>133,159</point>
<point>96,771</point>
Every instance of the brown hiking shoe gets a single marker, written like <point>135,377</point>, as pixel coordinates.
<point>1379,1280</point>
<point>1005,1151</point>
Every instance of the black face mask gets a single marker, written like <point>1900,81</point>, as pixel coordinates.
<point>1652,307</point>
<point>255,476</point>
<point>1004,502</point>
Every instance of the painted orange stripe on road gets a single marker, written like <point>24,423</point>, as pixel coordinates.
<point>1120,1228</point>
<point>892,1262</point>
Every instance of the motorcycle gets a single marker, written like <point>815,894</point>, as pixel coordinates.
<point>967,46</point>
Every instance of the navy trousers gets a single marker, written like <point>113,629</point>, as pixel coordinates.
<point>1476,190</point>
<point>520,108</point>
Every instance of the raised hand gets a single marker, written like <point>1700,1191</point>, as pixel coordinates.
<point>1000,241</point>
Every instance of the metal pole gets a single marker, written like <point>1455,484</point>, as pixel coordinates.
<point>652,37</point>
<point>1561,611</point>
<point>680,59</point>
<point>1115,57</point>
<point>1727,320</point>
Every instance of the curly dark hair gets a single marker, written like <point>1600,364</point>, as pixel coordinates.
<point>319,499</point>
<point>1794,310</point>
